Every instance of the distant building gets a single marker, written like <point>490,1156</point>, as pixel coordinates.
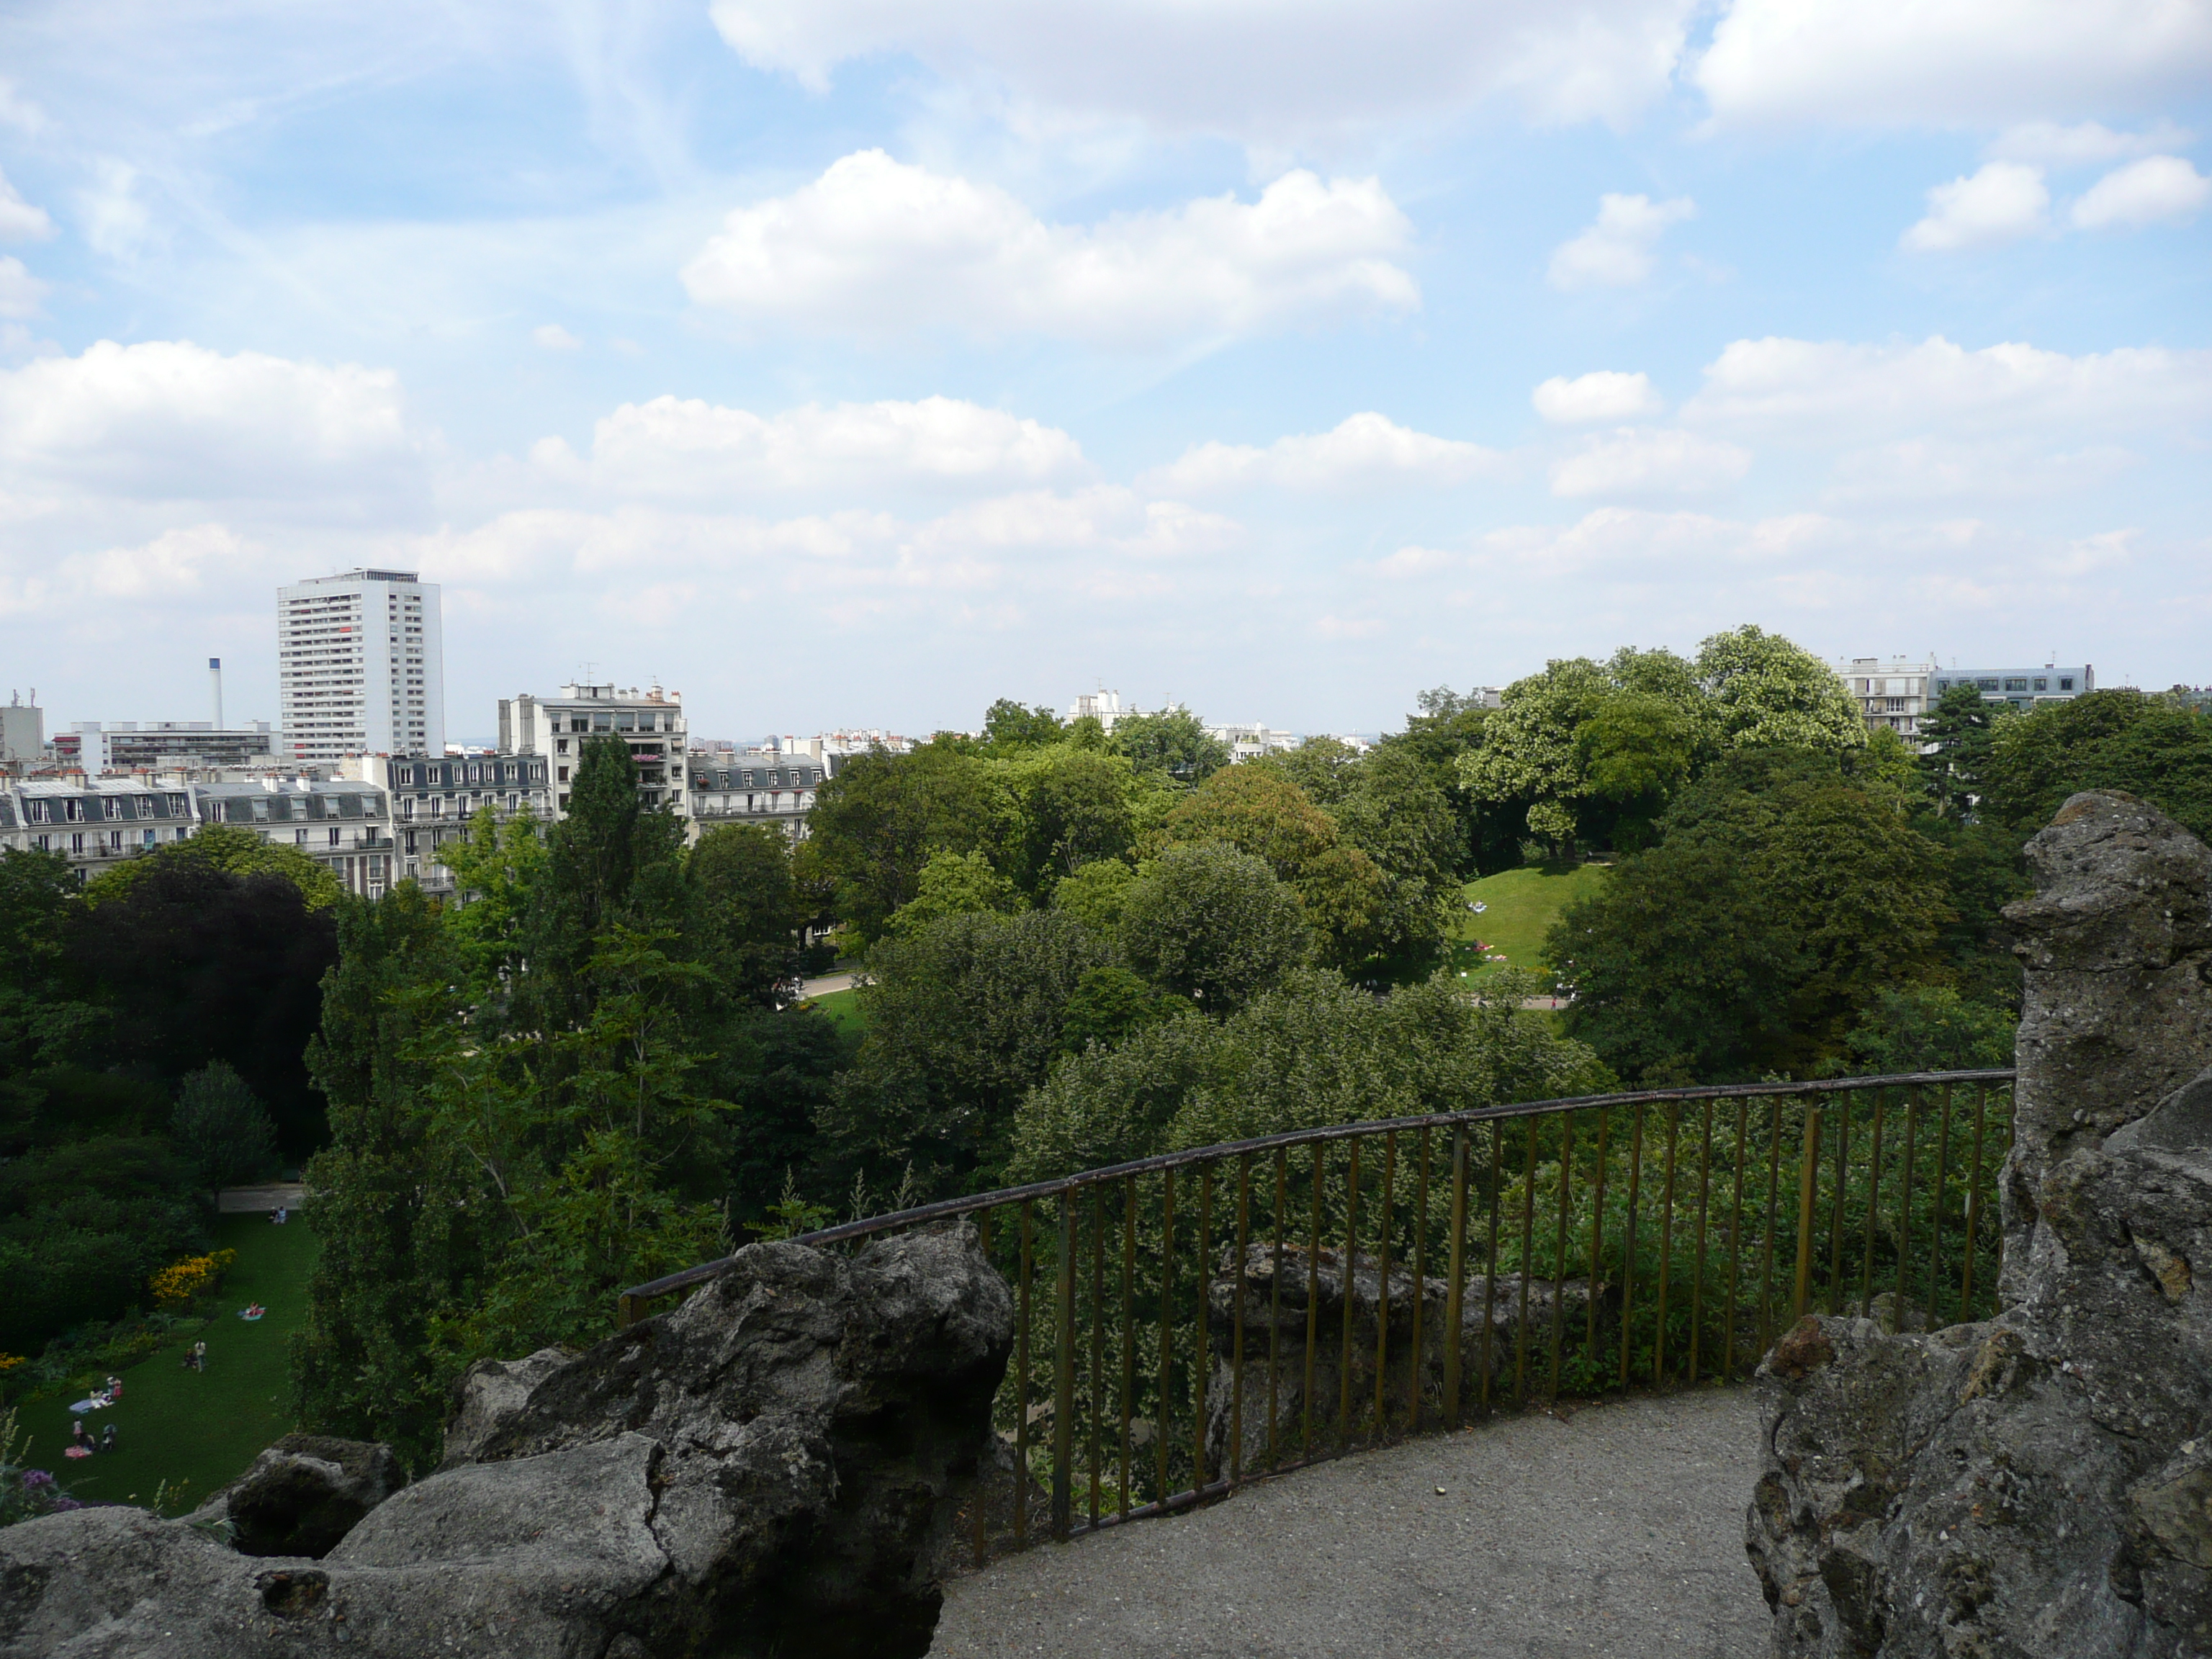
<point>95,821</point>
<point>556,729</point>
<point>152,745</point>
<point>1250,742</point>
<point>22,733</point>
<point>1892,693</point>
<point>2021,688</point>
<point>435,798</point>
<point>1101,705</point>
<point>359,666</point>
<point>755,785</point>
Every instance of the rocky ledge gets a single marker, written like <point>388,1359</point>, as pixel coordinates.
<point>771,1467</point>
<point>2039,1484</point>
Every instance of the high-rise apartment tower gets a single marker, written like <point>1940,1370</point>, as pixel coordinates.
<point>359,666</point>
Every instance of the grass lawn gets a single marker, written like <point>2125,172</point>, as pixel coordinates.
<point>1520,906</point>
<point>197,1428</point>
<point>843,1010</point>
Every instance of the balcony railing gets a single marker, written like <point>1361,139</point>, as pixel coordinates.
<point>1187,1322</point>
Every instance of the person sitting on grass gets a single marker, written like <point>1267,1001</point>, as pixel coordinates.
<point>80,1442</point>
<point>252,1310</point>
<point>114,1389</point>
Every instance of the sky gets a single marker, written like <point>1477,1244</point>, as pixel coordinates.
<point>855,363</point>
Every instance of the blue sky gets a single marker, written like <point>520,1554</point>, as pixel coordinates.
<point>846,362</point>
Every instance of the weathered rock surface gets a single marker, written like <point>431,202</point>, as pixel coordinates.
<point>1275,1322</point>
<point>2039,1484</point>
<point>303,1494</point>
<point>765,1469</point>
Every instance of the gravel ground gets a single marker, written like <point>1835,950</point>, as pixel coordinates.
<point>1617,1530</point>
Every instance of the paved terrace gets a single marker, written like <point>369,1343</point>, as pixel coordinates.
<point>1615,1530</point>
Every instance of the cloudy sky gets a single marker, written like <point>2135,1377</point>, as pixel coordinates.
<point>843,361</point>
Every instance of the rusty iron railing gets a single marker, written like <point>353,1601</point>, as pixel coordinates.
<point>1659,1238</point>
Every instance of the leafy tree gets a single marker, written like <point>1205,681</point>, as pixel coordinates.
<point>83,1222</point>
<point>1323,767</point>
<point>220,1129</point>
<point>1448,726</point>
<point>1389,806</point>
<point>1214,923</point>
<point>1956,736</point>
<point>2150,746</point>
<point>1111,1002</point>
<point>230,850</point>
<point>962,1020</point>
<point>1058,809</point>
<point>1530,766</point>
<point>784,1078</point>
<point>498,867</point>
<point>1769,693</point>
<point>748,919</point>
<point>44,1016</point>
<point>1261,812</point>
<point>1095,894</point>
<point>1172,741</point>
<point>952,885</point>
<point>1009,728</point>
<point>874,826</point>
<point>1930,1028</point>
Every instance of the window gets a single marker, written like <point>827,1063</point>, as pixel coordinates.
<point>2065,682</point>
<point>300,837</point>
<point>1985,685</point>
<point>112,806</point>
<point>334,836</point>
<point>578,723</point>
<point>115,839</point>
<point>73,810</point>
<point>564,778</point>
<point>180,834</point>
<point>1942,686</point>
<point>626,721</point>
<point>145,806</point>
<point>76,845</point>
<point>2015,685</point>
<point>42,813</point>
<point>149,836</point>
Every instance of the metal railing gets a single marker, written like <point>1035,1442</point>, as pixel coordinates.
<point>1664,1237</point>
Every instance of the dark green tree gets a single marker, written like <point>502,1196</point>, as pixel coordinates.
<point>875,824</point>
<point>220,1129</point>
<point>1009,728</point>
<point>1171,741</point>
<point>747,921</point>
<point>1212,923</point>
<point>2151,746</point>
<point>1955,738</point>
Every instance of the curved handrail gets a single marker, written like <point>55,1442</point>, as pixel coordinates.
<point>635,1296</point>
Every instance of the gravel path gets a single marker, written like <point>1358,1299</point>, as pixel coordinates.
<point>1616,1531</point>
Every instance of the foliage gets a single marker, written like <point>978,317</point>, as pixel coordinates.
<point>1389,806</point>
<point>1955,736</point>
<point>952,885</point>
<point>747,916</point>
<point>1770,694</point>
<point>181,1281</point>
<point>1344,895</point>
<point>25,1492</point>
<point>1322,767</point>
<point>222,1129</point>
<point>2150,746</point>
<point>1057,809</point>
<point>962,1020</point>
<point>1109,1003</point>
<point>43,1019</point>
<point>226,849</point>
<point>875,824</point>
<point>1929,1028</point>
<point>1095,894</point>
<point>1172,741</point>
<point>1212,923</point>
<point>1009,728</point>
<point>1781,897</point>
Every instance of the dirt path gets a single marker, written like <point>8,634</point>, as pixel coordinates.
<point>1618,1531</point>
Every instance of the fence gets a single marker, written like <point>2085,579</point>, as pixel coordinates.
<point>1189,1321</point>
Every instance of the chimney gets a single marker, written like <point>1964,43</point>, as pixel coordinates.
<point>215,680</point>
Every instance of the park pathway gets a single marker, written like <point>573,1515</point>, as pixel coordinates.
<point>1616,1530</point>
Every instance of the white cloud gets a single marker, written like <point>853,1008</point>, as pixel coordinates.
<point>2158,189</point>
<point>875,248</point>
<point>171,419</point>
<point>551,336</point>
<point>1643,464</point>
<point>20,222</point>
<point>1366,450</point>
<point>1604,395</point>
<point>2003,201</point>
<point>2082,144</point>
<point>1948,63</point>
<point>114,221</point>
<point>1269,74</point>
<point>18,112</point>
<point>20,291</point>
<point>684,446</point>
<point>1617,251</point>
<point>1666,548</point>
<point>1831,390</point>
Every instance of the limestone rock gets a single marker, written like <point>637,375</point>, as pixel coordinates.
<point>303,1494</point>
<point>770,1467</point>
<point>2039,1484</point>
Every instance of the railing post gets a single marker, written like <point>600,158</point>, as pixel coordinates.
<point>1807,1177</point>
<point>1456,1293</point>
<point>629,1310</point>
<point>1063,1378</point>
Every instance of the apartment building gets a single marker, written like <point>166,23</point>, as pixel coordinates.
<point>435,798</point>
<point>359,666</point>
<point>344,825</point>
<point>755,786</point>
<point>154,746</point>
<point>556,729</point>
<point>2021,688</point>
<point>1892,693</point>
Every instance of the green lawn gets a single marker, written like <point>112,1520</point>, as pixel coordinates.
<point>1520,906</point>
<point>843,1010</point>
<point>200,1429</point>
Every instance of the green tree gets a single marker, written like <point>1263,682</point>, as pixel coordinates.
<point>1172,741</point>
<point>952,885</point>
<point>874,826</point>
<point>1211,922</point>
<point>231,849</point>
<point>1769,693</point>
<point>1931,1028</point>
<point>44,1016</point>
<point>1955,736</point>
<point>1323,767</point>
<point>220,1129</point>
<point>1095,895</point>
<point>747,919</point>
<point>1009,728</point>
<point>1058,809</point>
<point>962,1020</point>
<point>1111,1002</point>
<point>1530,768</point>
<point>1389,806</point>
<point>2150,746</point>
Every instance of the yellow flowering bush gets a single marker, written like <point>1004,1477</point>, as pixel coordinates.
<point>10,1361</point>
<point>180,1281</point>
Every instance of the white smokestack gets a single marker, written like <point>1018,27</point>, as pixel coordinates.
<point>215,680</point>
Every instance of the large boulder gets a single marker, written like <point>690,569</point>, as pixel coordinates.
<point>2038,1483</point>
<point>770,1467</point>
<point>303,1494</point>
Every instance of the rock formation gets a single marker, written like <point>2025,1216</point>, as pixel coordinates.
<point>765,1469</point>
<point>2039,1484</point>
<point>302,1495</point>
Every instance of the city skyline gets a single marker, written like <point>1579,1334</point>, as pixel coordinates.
<point>839,366</point>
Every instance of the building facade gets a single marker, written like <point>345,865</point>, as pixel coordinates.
<point>435,797</point>
<point>555,729</point>
<point>1250,742</point>
<point>2021,688</point>
<point>344,825</point>
<point>1892,693</point>
<point>154,746</point>
<point>359,666</point>
<point>22,733</point>
<point>755,786</point>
